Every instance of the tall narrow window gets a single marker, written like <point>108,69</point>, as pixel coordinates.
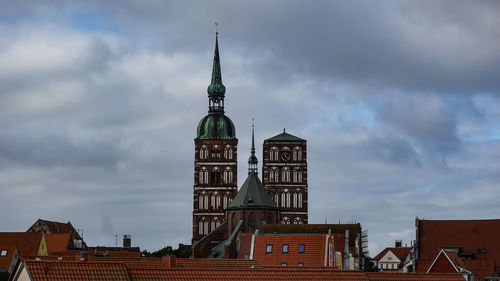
<point>228,152</point>
<point>299,199</point>
<point>251,223</point>
<point>273,154</point>
<point>297,175</point>
<point>295,203</point>
<point>285,174</point>
<point>297,154</point>
<point>203,152</point>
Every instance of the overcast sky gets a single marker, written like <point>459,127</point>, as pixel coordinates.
<point>99,101</point>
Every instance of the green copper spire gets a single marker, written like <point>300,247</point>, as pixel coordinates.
<point>216,89</point>
<point>252,160</point>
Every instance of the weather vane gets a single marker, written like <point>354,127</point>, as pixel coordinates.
<point>216,25</point>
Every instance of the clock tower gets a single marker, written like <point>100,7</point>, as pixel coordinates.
<point>284,175</point>
<point>215,160</point>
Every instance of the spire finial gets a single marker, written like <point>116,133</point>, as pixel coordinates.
<point>216,31</point>
<point>284,130</point>
<point>216,89</point>
<point>252,160</point>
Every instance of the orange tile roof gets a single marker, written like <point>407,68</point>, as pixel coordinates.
<point>314,254</point>
<point>299,274</point>
<point>27,243</point>
<point>57,270</point>
<point>315,228</point>
<point>245,245</point>
<point>6,261</point>
<point>81,271</point>
<point>57,242</point>
<point>59,227</point>
<point>217,263</point>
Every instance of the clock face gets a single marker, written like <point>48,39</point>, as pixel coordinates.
<point>286,156</point>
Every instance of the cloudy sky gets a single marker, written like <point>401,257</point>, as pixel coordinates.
<point>99,102</point>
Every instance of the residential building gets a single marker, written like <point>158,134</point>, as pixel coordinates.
<point>392,258</point>
<point>449,262</point>
<point>54,227</point>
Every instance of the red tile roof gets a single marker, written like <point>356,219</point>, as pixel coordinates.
<point>315,228</point>
<point>468,235</point>
<point>57,270</point>
<point>245,246</point>
<point>58,227</point>
<point>6,261</point>
<point>314,254</point>
<point>27,243</point>
<point>400,252</point>
<point>57,242</point>
<point>80,271</point>
<point>218,263</point>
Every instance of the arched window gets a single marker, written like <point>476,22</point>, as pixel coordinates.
<point>285,198</point>
<point>228,152</point>
<point>203,226</point>
<point>203,152</point>
<point>224,202</point>
<point>273,154</point>
<point>273,174</point>
<point>299,195</point>
<point>277,198</point>
<point>212,201</point>
<point>297,220</point>
<point>251,223</point>
<point>203,175</point>
<point>217,201</point>
<point>215,176</point>
<point>270,219</point>
<point>297,175</point>
<point>214,223</point>
<point>285,220</point>
<point>215,152</point>
<point>285,174</point>
<point>203,201</point>
<point>297,154</point>
<point>228,175</point>
<point>233,221</point>
<point>295,203</point>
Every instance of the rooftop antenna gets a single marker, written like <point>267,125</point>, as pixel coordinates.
<point>116,240</point>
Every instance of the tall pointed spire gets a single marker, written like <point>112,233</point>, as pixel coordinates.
<point>252,160</point>
<point>216,89</point>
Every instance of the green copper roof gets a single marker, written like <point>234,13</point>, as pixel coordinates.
<point>285,137</point>
<point>252,195</point>
<point>216,88</point>
<point>216,126</point>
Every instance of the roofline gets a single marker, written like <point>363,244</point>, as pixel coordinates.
<point>252,208</point>
<point>436,258</point>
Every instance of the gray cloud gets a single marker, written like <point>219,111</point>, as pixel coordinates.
<point>100,101</point>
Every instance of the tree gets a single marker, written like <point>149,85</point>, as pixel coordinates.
<point>369,265</point>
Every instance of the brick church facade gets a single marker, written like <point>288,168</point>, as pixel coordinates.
<point>215,186</point>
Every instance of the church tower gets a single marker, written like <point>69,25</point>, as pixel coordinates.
<point>215,160</point>
<point>284,174</point>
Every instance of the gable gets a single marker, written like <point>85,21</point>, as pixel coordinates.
<point>390,257</point>
<point>442,264</point>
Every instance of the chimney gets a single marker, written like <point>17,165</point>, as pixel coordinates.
<point>398,243</point>
<point>127,241</point>
<point>169,261</point>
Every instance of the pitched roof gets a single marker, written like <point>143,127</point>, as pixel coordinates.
<point>284,137</point>
<point>469,235</point>
<point>252,194</point>
<point>217,263</point>
<point>27,243</point>
<point>314,228</point>
<point>6,261</point>
<point>399,252</point>
<point>57,227</point>
<point>81,271</point>
<point>313,255</point>
<point>57,242</point>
